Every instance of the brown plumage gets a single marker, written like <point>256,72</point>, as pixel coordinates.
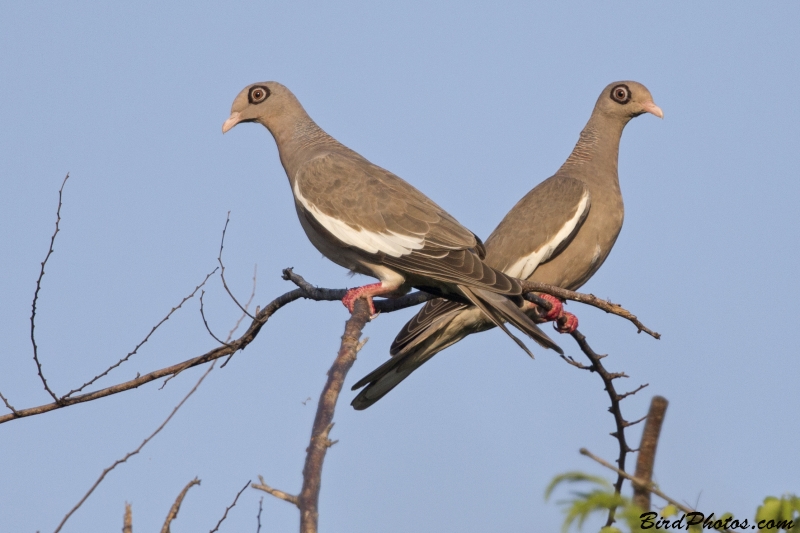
<point>370,221</point>
<point>559,233</point>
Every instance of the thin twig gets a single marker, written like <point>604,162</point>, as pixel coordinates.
<point>649,486</point>
<point>39,287</point>
<point>384,306</point>
<point>10,407</point>
<point>173,511</point>
<point>134,452</point>
<point>285,496</point>
<point>231,506</point>
<point>147,338</point>
<point>647,450</point>
<point>222,266</point>
<point>589,299</point>
<point>258,516</point>
<point>238,322</point>
<point>205,322</point>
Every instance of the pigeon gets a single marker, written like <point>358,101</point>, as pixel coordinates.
<point>559,233</point>
<point>369,221</point>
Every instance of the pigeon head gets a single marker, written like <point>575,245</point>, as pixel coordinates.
<point>625,100</point>
<point>263,102</point>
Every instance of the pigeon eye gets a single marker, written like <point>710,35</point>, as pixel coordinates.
<point>258,94</point>
<point>621,94</point>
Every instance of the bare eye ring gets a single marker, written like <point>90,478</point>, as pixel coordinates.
<point>258,94</point>
<point>621,94</point>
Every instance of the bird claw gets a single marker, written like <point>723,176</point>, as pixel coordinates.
<point>556,307</point>
<point>352,295</point>
<point>566,323</point>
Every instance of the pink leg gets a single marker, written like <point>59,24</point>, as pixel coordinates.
<point>566,323</point>
<point>563,322</point>
<point>557,307</point>
<point>367,292</point>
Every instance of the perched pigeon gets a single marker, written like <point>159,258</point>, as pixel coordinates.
<point>370,221</point>
<point>559,233</point>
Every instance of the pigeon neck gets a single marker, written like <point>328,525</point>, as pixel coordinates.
<point>298,140</point>
<point>596,153</point>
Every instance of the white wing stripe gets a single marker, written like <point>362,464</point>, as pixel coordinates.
<point>390,243</point>
<point>525,266</point>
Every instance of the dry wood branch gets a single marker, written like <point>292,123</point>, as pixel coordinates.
<point>646,485</point>
<point>205,322</point>
<point>147,338</point>
<point>127,520</point>
<point>228,508</point>
<point>308,499</point>
<point>647,450</point>
<point>134,452</point>
<point>589,299</point>
<point>173,511</point>
<point>608,380</point>
<point>39,287</point>
<point>285,496</point>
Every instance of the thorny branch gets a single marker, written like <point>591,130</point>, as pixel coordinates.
<point>39,287</point>
<point>608,380</point>
<point>134,452</point>
<point>173,511</point>
<point>308,499</point>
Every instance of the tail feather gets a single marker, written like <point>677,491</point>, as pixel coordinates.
<point>499,308</point>
<point>446,331</point>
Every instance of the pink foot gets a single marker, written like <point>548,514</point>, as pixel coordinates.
<point>556,310</point>
<point>566,323</point>
<point>367,291</point>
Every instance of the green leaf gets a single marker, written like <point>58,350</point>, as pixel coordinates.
<point>574,477</point>
<point>669,510</point>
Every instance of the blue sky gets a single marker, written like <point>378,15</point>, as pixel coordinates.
<point>473,103</point>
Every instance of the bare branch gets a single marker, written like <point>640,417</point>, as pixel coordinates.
<point>285,496</point>
<point>39,287</point>
<point>147,338</point>
<point>222,271</point>
<point>10,407</point>
<point>589,299</point>
<point>231,506</point>
<point>384,306</point>
<point>258,516</point>
<point>173,511</point>
<point>238,322</point>
<point>134,452</point>
<point>631,393</point>
<point>127,521</point>
<point>646,485</point>
<point>308,498</point>
<point>647,450</point>
<point>205,323</point>
<point>621,423</point>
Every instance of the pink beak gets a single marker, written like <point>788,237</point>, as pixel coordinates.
<point>650,107</point>
<point>234,120</point>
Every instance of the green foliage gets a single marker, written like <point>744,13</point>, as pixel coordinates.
<point>783,512</point>
<point>597,496</point>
